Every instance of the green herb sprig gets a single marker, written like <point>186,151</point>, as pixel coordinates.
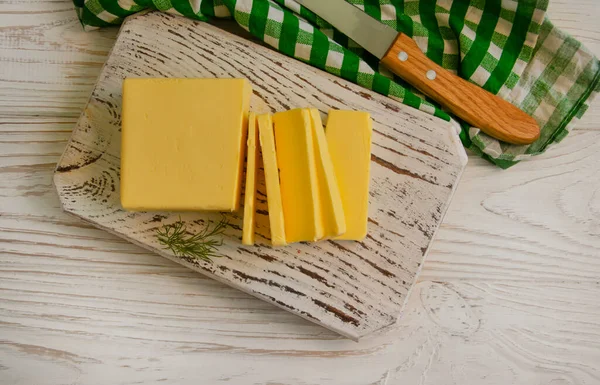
<point>202,245</point>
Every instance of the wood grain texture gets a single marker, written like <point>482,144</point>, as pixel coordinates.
<point>354,288</point>
<point>79,305</point>
<point>494,115</point>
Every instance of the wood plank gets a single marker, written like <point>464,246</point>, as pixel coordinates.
<point>49,64</point>
<point>65,286</point>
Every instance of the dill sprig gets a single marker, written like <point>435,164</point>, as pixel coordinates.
<point>182,243</point>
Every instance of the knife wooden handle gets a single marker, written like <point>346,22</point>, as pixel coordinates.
<point>478,107</point>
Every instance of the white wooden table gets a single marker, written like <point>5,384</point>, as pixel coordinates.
<point>510,293</point>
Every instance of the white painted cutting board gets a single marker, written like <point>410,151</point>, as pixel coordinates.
<point>354,288</point>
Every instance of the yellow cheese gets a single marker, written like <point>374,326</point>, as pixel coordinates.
<point>349,138</point>
<point>250,192</point>
<point>183,143</point>
<point>298,175</point>
<point>269,156</point>
<point>332,211</point>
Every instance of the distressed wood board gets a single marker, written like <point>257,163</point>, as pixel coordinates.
<point>353,288</point>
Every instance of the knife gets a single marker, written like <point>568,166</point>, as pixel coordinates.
<point>398,52</point>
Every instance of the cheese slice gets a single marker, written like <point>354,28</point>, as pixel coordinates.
<point>298,175</point>
<point>269,156</point>
<point>250,191</point>
<point>332,211</point>
<point>183,143</point>
<point>349,139</point>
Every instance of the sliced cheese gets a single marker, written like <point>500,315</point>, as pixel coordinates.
<point>332,211</point>
<point>250,191</point>
<point>349,139</point>
<point>298,175</point>
<point>269,156</point>
<point>183,143</point>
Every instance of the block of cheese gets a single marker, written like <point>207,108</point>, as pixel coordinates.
<point>332,211</point>
<point>250,190</point>
<point>183,143</point>
<point>269,156</point>
<point>298,175</point>
<point>349,139</point>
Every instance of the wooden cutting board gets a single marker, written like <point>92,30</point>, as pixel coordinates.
<point>353,288</point>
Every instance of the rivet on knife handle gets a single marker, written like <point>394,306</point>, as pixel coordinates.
<point>493,115</point>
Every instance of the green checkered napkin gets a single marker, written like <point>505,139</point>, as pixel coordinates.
<point>507,47</point>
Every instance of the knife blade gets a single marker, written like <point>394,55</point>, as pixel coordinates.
<point>397,51</point>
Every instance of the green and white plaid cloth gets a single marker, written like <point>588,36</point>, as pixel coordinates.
<point>509,48</point>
